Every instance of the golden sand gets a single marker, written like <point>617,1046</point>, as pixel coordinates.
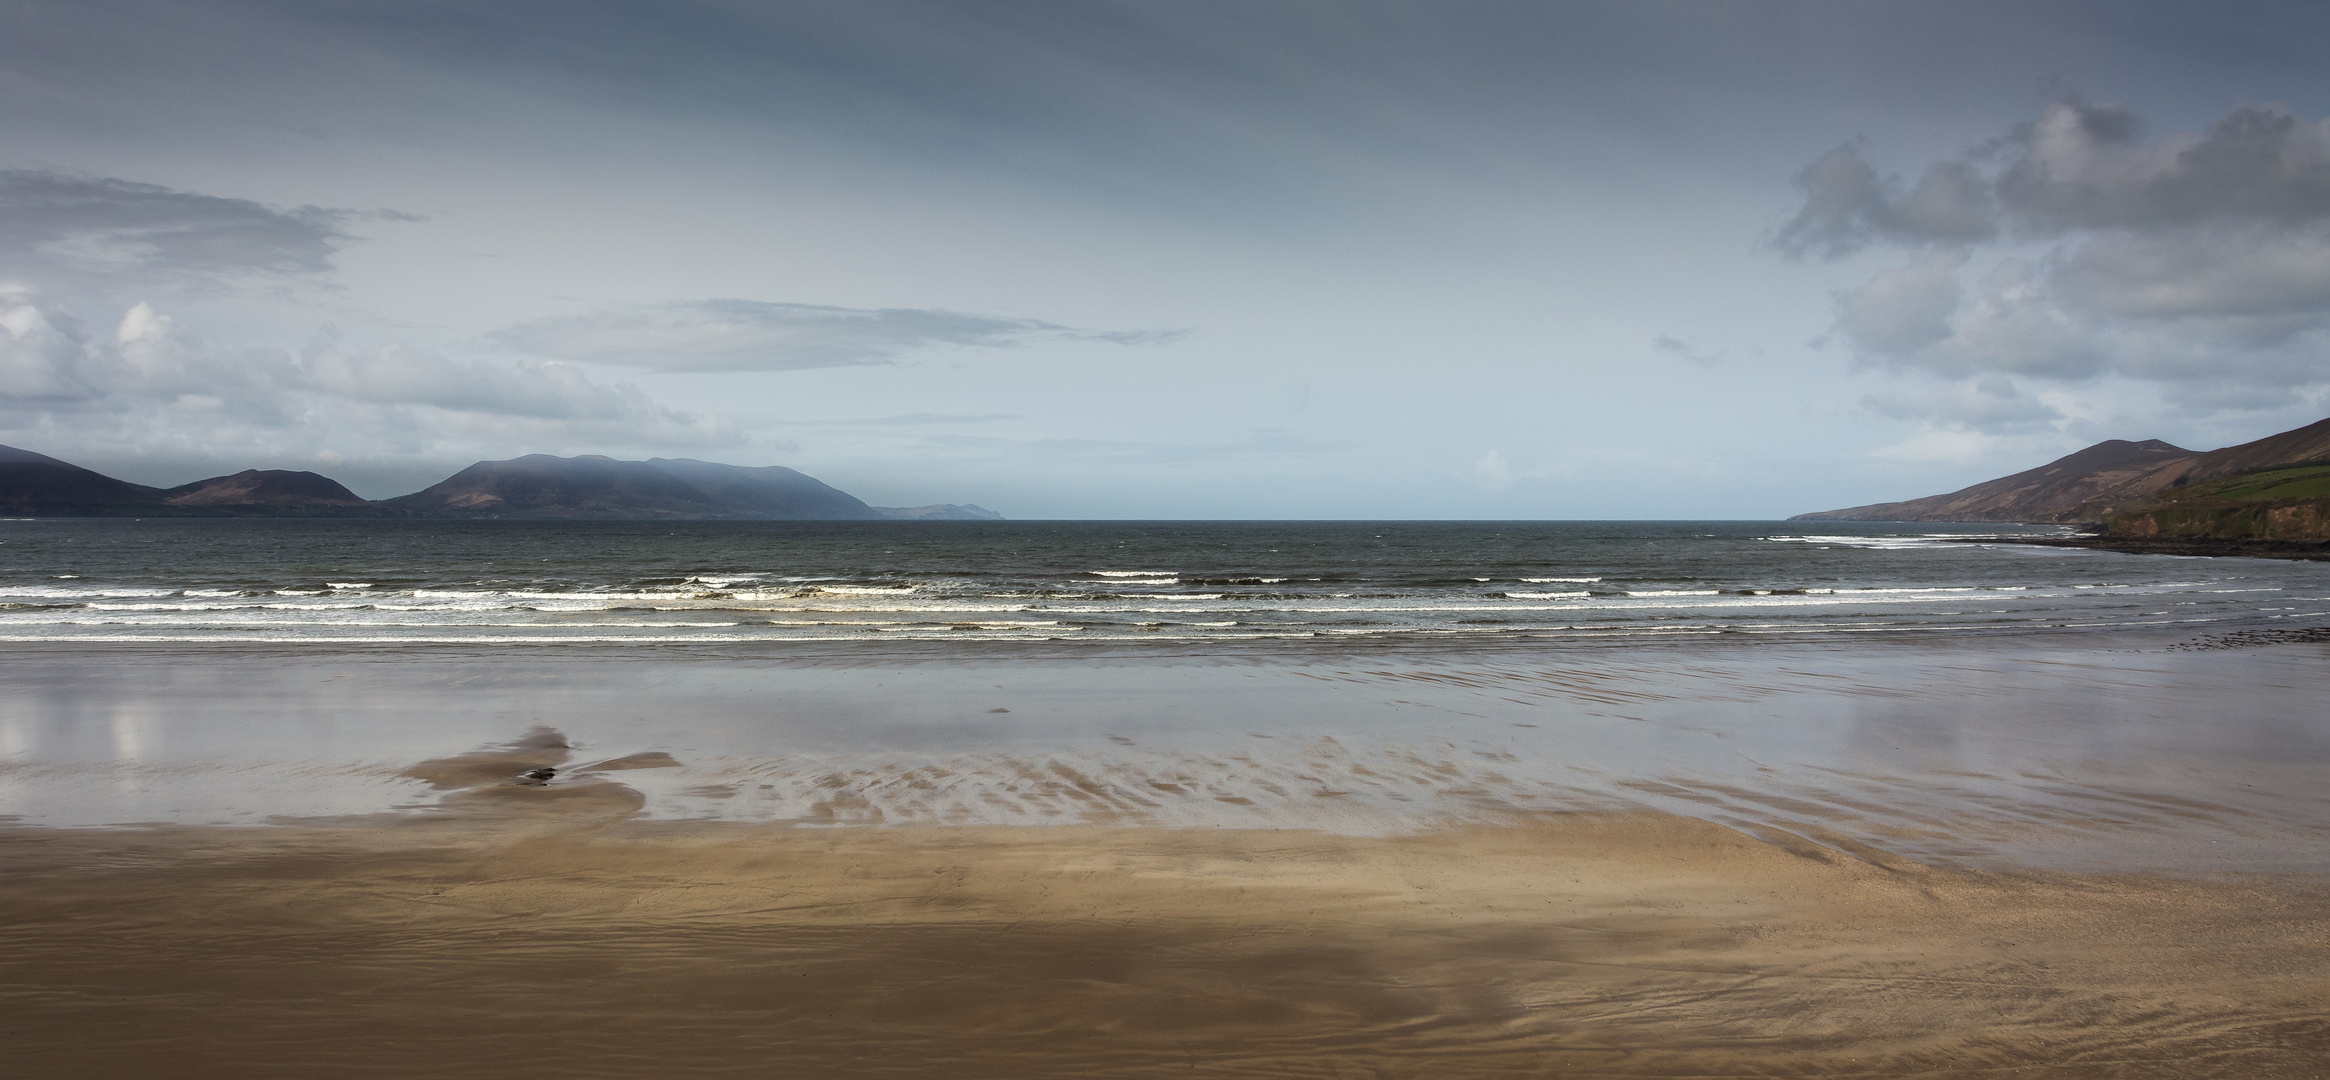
<point>539,931</point>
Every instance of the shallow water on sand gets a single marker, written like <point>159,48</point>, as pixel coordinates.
<point>2079,751</point>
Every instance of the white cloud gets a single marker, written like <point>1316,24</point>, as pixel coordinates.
<point>753,335</point>
<point>1492,470</point>
<point>1905,309</point>
<point>1992,404</point>
<point>2259,272</point>
<point>1943,445</point>
<point>147,384</point>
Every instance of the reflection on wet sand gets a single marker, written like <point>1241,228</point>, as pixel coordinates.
<point>1887,862</point>
<point>1993,754</point>
<point>537,929</point>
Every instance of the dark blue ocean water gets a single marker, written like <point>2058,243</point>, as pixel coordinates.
<point>1184,582</point>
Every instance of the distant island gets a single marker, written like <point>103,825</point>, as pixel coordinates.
<point>534,487</point>
<point>2268,497</point>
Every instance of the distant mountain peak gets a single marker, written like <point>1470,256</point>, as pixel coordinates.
<point>537,486</point>
<point>265,487</point>
<point>33,483</point>
<point>595,486</point>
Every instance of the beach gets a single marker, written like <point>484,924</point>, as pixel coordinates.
<point>1377,800</point>
<point>1635,861</point>
<point>543,936</point>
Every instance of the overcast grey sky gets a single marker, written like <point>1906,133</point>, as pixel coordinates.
<point>1142,259</point>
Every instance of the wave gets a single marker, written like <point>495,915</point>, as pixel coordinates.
<point>1689,581</point>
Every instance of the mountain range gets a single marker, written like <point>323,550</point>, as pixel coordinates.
<point>2274,488</point>
<point>537,486</point>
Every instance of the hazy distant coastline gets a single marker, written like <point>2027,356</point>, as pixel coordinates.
<point>537,486</point>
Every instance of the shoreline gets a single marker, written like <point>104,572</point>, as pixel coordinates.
<point>1390,643</point>
<point>2191,546</point>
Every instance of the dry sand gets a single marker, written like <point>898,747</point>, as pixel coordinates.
<point>542,931</point>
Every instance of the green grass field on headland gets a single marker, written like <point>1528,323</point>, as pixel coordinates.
<point>2287,502</point>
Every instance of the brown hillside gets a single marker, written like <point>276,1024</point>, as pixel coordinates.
<point>2067,489</point>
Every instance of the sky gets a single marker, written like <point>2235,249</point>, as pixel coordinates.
<point>1240,259</point>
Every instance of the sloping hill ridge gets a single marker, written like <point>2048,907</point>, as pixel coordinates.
<point>2298,446</point>
<point>275,492</point>
<point>2068,489</point>
<point>2149,488</point>
<point>543,486</point>
<point>37,484</point>
<point>592,486</point>
<point>773,490</point>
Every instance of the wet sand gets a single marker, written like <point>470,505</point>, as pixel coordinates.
<point>540,931</point>
<point>2084,859</point>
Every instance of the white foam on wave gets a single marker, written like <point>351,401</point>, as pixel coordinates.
<point>1926,541</point>
<point>1560,580</point>
<point>348,584</point>
<point>51,592</point>
<point>1548,595</point>
<point>1674,592</point>
<point>721,581</point>
<point>1133,573</point>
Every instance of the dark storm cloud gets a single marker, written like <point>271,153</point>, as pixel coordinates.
<point>52,221</point>
<point>1213,105</point>
<point>2084,166</point>
<point>2080,166</point>
<point>2078,246</point>
<point>754,335</point>
<point>1848,206</point>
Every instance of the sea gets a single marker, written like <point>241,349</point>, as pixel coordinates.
<point>1938,692</point>
<point>1122,582</point>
